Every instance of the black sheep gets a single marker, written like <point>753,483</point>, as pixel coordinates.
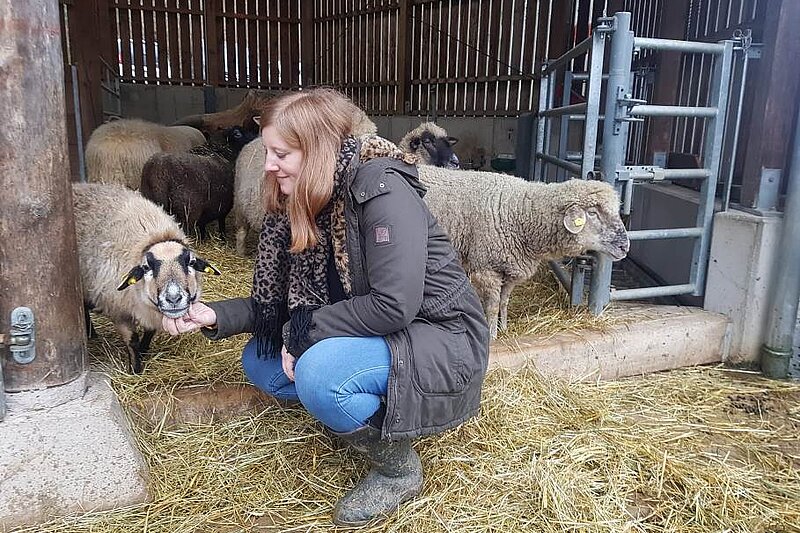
<point>196,187</point>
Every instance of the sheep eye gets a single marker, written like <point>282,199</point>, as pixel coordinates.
<point>146,267</point>
<point>593,213</point>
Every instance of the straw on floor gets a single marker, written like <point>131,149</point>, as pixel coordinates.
<point>693,450</point>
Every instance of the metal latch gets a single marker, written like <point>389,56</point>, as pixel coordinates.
<point>21,340</point>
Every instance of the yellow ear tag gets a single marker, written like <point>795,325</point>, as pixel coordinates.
<point>580,221</point>
<point>131,280</point>
<point>208,270</point>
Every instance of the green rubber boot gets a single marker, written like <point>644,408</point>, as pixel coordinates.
<point>396,476</point>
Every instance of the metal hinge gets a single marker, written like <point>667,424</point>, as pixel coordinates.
<point>21,340</point>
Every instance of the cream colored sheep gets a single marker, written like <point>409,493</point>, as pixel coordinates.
<point>248,209</point>
<point>504,227</point>
<point>431,145</point>
<point>117,150</point>
<point>134,264</point>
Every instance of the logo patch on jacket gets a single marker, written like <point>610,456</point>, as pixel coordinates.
<point>383,234</point>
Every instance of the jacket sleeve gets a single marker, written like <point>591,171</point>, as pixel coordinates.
<point>233,317</point>
<point>394,228</point>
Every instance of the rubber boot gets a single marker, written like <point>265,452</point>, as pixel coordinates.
<point>396,476</point>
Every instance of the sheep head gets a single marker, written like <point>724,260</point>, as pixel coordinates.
<point>591,217</point>
<point>432,145</point>
<point>168,277</point>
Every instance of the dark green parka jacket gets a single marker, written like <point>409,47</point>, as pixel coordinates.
<point>408,287</point>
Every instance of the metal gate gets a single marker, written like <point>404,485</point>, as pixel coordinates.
<point>614,90</point>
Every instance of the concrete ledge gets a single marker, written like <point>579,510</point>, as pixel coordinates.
<point>662,338</point>
<point>60,457</point>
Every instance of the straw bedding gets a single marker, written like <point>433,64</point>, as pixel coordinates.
<point>693,450</point>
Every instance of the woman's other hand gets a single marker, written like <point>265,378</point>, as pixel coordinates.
<point>288,361</point>
<point>199,316</point>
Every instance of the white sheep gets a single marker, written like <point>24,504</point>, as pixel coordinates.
<point>248,208</point>
<point>431,145</point>
<point>504,227</point>
<point>135,267</point>
<point>118,150</point>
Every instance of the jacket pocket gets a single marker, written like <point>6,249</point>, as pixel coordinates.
<point>439,352</point>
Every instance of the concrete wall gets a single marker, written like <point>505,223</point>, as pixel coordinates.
<point>480,139</point>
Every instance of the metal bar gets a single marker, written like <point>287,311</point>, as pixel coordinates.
<point>76,103</point>
<point>726,194</point>
<point>715,131</point>
<point>578,156</point>
<point>776,352</point>
<point>600,118</point>
<point>583,76</point>
<point>673,111</point>
<point>564,110</point>
<point>536,166</point>
<point>580,48</point>
<point>561,274</point>
<point>644,174</point>
<point>578,279</point>
<point>651,292</point>
<point>563,132</point>
<point>695,47</point>
<point>615,136</point>
<point>596,58</point>
<point>548,125</point>
<point>560,163</point>
<point>672,233</point>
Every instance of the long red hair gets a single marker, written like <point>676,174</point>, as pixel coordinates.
<point>315,121</point>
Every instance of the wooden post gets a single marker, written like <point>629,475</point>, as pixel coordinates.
<point>777,92</point>
<point>213,14</point>
<point>307,43</point>
<point>403,57</point>
<point>38,258</point>
<point>91,37</point>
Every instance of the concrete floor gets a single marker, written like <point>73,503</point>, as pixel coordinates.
<point>66,451</point>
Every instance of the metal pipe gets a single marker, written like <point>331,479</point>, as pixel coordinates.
<point>563,131</point>
<point>561,274</point>
<point>678,46</point>
<point>560,163</point>
<point>593,104</point>
<point>76,103</point>
<point>643,174</point>
<point>564,110</point>
<point>536,166</point>
<point>726,194</point>
<point>673,233</point>
<point>583,117</point>
<point>776,351</point>
<point>580,48</point>
<point>651,292</point>
<point>673,111</point>
<point>615,136</point>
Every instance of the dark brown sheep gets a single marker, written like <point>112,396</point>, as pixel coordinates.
<point>196,187</point>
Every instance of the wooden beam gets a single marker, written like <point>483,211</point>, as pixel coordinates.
<point>213,21</point>
<point>404,57</point>
<point>777,93</point>
<point>307,43</point>
<point>37,229</point>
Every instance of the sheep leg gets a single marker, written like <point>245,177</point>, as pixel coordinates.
<point>489,285</point>
<point>147,337</point>
<point>505,295</point>
<point>128,333</point>
<point>222,231</point>
<point>90,331</point>
<point>241,237</point>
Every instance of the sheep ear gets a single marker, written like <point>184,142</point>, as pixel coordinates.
<point>257,120</point>
<point>452,140</point>
<point>135,274</point>
<point>201,265</point>
<point>575,219</point>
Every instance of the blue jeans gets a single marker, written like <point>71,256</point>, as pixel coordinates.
<point>339,380</point>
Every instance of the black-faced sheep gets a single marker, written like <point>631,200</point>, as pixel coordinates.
<point>196,187</point>
<point>117,150</point>
<point>248,208</point>
<point>134,264</point>
<point>431,144</point>
<point>504,228</point>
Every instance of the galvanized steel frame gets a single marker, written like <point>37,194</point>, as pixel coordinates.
<point>621,108</point>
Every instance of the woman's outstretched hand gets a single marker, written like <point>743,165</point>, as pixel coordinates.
<point>199,315</point>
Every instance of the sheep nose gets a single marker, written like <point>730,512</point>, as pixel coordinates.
<point>454,162</point>
<point>173,294</point>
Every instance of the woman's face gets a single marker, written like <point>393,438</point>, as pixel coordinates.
<point>282,161</point>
